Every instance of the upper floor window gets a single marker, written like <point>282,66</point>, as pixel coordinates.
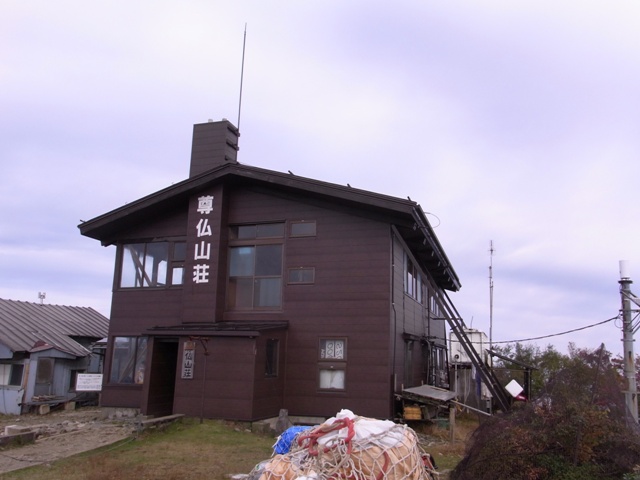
<point>301,275</point>
<point>434,306</point>
<point>153,264</point>
<point>412,279</point>
<point>260,230</point>
<point>303,228</point>
<point>255,267</point>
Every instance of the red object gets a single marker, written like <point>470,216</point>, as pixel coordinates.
<point>312,437</point>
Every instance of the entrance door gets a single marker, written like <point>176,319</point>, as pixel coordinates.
<point>44,377</point>
<point>162,377</point>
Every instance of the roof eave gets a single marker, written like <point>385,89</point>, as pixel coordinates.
<point>442,263</point>
<point>102,227</point>
<point>99,228</point>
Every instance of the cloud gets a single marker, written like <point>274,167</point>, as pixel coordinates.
<point>511,122</point>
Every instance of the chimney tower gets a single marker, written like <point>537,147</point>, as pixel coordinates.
<point>214,144</point>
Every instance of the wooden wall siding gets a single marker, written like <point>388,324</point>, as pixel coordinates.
<point>122,396</point>
<point>367,377</point>
<point>350,298</point>
<point>135,310</point>
<point>229,380</point>
<point>412,318</point>
<point>170,223</point>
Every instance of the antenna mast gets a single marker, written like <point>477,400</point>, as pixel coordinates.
<point>491,250</point>
<point>244,42</point>
<point>631,391</point>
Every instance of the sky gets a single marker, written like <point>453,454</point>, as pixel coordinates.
<point>512,124</point>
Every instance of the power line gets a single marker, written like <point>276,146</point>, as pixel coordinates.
<point>561,333</point>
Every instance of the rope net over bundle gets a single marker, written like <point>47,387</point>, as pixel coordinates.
<point>350,447</point>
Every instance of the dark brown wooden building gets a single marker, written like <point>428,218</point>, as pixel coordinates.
<point>242,291</point>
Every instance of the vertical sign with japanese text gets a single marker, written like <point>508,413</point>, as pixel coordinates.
<point>202,294</point>
<point>202,253</point>
<point>188,359</point>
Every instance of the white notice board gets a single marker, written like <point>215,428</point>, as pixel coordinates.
<point>89,382</point>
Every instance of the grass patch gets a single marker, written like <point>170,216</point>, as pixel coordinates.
<point>187,449</point>
<point>437,441</point>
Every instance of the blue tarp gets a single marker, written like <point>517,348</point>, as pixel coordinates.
<point>283,445</point>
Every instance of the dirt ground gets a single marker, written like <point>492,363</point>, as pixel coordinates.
<point>61,434</point>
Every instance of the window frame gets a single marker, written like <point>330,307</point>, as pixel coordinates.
<point>174,265</point>
<point>294,270</point>
<point>439,366</point>
<point>413,285</point>
<point>434,307</point>
<point>240,236</point>
<point>332,364</point>
<point>11,374</point>
<point>301,234</point>
<point>272,358</point>
<point>45,367</point>
<point>408,363</point>
<point>134,361</point>
<point>242,232</point>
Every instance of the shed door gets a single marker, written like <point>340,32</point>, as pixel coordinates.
<point>44,377</point>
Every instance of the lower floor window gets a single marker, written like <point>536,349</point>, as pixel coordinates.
<point>332,379</point>
<point>440,376</point>
<point>11,374</point>
<point>332,366</point>
<point>128,360</point>
<point>271,364</point>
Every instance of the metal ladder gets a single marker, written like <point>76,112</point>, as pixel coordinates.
<point>487,374</point>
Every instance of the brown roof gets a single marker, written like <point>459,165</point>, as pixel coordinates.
<point>405,214</point>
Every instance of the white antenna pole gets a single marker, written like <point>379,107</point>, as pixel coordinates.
<point>631,391</point>
<point>244,42</point>
<point>491,250</point>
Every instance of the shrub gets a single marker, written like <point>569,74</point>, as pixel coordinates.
<point>578,428</point>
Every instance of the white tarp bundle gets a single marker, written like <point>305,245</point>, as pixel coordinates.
<point>351,447</point>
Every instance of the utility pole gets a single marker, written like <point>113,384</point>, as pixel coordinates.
<point>491,250</point>
<point>631,393</point>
